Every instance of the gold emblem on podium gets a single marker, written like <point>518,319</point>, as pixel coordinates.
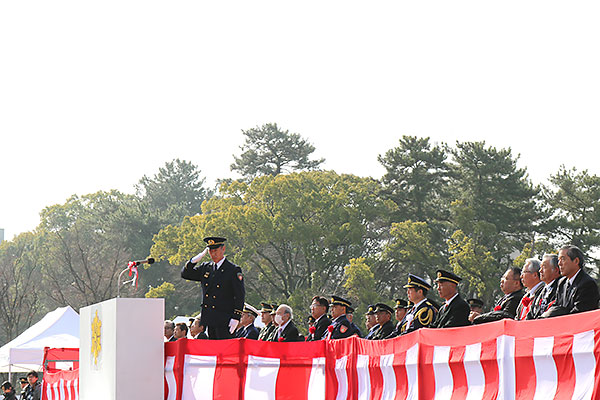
<point>96,338</point>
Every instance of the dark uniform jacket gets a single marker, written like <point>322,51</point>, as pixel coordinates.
<point>545,300</point>
<point>454,314</point>
<point>421,317</point>
<point>223,291</point>
<point>342,328</point>
<point>372,332</point>
<point>320,329</point>
<point>383,331</point>
<point>581,295</point>
<point>289,334</point>
<point>248,332</point>
<point>267,331</point>
<point>534,296</point>
<point>356,329</point>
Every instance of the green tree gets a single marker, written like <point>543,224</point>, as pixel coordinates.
<point>416,179</point>
<point>476,265</point>
<point>496,203</point>
<point>165,291</point>
<point>268,150</point>
<point>572,203</point>
<point>86,248</point>
<point>408,251</point>
<point>177,190</point>
<point>360,286</point>
<point>21,296</point>
<point>289,233</point>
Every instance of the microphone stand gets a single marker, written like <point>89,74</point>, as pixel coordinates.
<point>119,281</point>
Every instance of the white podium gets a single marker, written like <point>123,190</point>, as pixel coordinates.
<point>121,355</point>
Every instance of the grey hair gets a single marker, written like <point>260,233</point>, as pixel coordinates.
<point>286,310</point>
<point>534,265</point>
<point>553,259</point>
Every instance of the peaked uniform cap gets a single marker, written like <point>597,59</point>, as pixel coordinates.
<point>214,241</point>
<point>340,301</point>
<point>417,282</point>
<point>401,303</point>
<point>370,310</point>
<point>266,307</point>
<point>250,309</point>
<point>447,276</point>
<point>383,307</point>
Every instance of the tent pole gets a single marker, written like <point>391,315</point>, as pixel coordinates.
<point>9,372</point>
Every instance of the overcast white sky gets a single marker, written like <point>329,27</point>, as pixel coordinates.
<point>94,95</point>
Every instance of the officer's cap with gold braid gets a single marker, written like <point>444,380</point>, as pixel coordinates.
<point>274,309</point>
<point>370,310</point>
<point>401,303</point>
<point>250,310</point>
<point>214,242</point>
<point>447,276</point>
<point>266,307</point>
<point>417,282</point>
<point>381,307</point>
<point>340,301</point>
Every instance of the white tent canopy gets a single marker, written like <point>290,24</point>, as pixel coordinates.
<point>59,328</point>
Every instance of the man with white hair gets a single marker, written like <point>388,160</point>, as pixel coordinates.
<point>550,275</point>
<point>530,276</point>
<point>286,331</point>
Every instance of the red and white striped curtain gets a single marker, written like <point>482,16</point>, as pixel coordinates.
<point>61,385</point>
<point>556,358</point>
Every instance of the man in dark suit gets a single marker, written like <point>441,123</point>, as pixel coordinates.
<point>550,275</point>
<point>318,310</point>
<point>455,311</point>
<point>286,329</point>
<point>340,326</point>
<point>383,314</point>
<point>506,307</point>
<point>222,287</point>
<point>531,279</point>
<point>169,331</point>
<point>197,329</point>
<point>577,291</point>
<point>246,329</point>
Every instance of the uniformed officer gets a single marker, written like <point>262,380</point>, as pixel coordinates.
<point>370,321</point>
<point>423,313</point>
<point>222,287</point>
<point>350,317</point>
<point>400,309</point>
<point>267,319</point>
<point>340,326</point>
<point>246,328</point>
<point>383,313</point>
<point>455,311</point>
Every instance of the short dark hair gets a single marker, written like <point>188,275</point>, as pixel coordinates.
<point>32,373</point>
<point>575,252</point>
<point>6,385</point>
<point>322,301</point>
<point>183,326</point>
<point>516,271</point>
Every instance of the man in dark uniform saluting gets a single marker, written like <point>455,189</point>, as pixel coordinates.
<point>222,288</point>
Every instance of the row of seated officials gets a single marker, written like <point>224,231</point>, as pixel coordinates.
<point>556,285</point>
